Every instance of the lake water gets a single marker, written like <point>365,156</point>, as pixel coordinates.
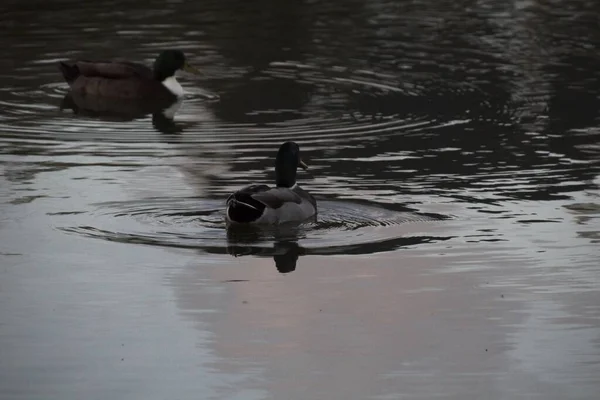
<point>454,150</point>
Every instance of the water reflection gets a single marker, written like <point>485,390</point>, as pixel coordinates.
<point>118,109</point>
<point>283,242</point>
<point>259,100</point>
<point>115,109</point>
<point>285,250</point>
<point>485,111</point>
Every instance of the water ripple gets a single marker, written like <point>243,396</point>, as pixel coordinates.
<point>200,224</point>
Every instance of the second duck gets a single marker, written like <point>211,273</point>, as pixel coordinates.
<point>128,80</point>
<point>287,202</point>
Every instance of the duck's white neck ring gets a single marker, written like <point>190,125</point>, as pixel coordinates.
<point>173,86</point>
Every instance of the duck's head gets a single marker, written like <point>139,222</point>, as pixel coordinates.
<point>169,62</point>
<point>286,164</point>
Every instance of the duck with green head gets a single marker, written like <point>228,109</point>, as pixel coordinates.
<point>125,79</point>
<point>286,202</point>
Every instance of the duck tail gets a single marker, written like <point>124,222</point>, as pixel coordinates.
<point>70,72</point>
<point>242,208</point>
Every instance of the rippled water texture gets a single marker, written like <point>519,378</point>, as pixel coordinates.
<point>453,148</point>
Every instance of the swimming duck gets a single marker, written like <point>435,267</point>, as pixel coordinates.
<point>287,202</point>
<point>127,79</point>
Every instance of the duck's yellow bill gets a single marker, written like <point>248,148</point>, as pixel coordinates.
<point>191,69</point>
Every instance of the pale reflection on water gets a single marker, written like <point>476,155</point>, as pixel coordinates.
<point>453,148</point>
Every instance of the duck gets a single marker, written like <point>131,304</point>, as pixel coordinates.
<point>285,202</point>
<point>129,80</point>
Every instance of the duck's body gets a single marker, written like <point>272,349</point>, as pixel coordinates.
<point>113,79</point>
<point>261,204</point>
<point>128,80</point>
<point>287,202</point>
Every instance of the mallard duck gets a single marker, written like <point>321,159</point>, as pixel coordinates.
<point>127,79</point>
<point>287,202</point>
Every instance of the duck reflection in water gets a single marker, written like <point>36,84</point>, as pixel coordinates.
<point>124,110</point>
<point>245,240</point>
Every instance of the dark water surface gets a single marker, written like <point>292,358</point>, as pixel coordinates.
<point>454,149</point>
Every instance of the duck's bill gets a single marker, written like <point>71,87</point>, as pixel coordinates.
<point>191,69</point>
<point>303,164</point>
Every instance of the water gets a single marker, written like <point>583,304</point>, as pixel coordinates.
<point>453,148</point>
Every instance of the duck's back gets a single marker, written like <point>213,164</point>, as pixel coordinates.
<point>115,69</point>
<point>307,196</point>
<point>113,79</point>
<point>286,204</point>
